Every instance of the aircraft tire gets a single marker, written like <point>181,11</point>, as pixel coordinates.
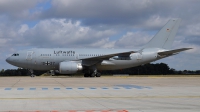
<point>86,75</point>
<point>98,75</point>
<point>92,75</point>
<point>32,75</point>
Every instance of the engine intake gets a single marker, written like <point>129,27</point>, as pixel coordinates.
<point>69,67</point>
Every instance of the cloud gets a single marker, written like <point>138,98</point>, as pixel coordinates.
<point>154,22</point>
<point>64,33</point>
<point>96,12</point>
<point>120,12</point>
<point>21,9</point>
<point>23,28</point>
<point>10,6</point>
<point>193,29</point>
<point>192,33</point>
<point>104,43</point>
<point>133,39</point>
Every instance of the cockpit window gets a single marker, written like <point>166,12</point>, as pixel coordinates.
<point>15,54</point>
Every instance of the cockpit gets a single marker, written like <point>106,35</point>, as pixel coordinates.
<point>16,54</point>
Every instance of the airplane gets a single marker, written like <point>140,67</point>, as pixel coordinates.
<point>90,61</point>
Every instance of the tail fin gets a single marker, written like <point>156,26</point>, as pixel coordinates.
<point>165,37</point>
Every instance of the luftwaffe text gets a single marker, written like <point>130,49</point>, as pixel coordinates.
<point>64,52</point>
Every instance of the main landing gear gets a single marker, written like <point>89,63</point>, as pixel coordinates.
<point>92,74</point>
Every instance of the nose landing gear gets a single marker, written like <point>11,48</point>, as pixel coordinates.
<point>31,73</point>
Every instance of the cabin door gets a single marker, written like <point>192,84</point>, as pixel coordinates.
<point>29,55</point>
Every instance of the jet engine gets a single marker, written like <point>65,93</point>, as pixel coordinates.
<point>69,67</point>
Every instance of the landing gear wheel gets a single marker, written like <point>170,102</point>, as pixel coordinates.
<point>93,75</point>
<point>98,74</point>
<point>86,75</point>
<point>31,73</point>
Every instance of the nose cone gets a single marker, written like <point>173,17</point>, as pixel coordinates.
<point>8,60</point>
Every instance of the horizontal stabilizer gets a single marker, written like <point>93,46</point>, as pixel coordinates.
<point>172,52</point>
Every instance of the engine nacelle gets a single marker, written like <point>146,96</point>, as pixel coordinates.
<point>69,67</point>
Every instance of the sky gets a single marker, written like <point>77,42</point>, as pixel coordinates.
<point>26,24</point>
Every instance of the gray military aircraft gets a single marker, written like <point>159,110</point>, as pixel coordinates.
<point>88,61</point>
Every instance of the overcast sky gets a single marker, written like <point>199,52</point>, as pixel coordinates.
<point>28,24</point>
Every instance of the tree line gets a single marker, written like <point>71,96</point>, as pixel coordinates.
<point>147,69</point>
<point>151,69</point>
<point>20,72</point>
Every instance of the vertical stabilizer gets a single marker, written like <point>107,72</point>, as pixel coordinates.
<point>165,37</point>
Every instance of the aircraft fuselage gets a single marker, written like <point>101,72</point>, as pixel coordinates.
<point>49,59</point>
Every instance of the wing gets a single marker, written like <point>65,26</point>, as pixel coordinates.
<point>172,52</point>
<point>94,60</point>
